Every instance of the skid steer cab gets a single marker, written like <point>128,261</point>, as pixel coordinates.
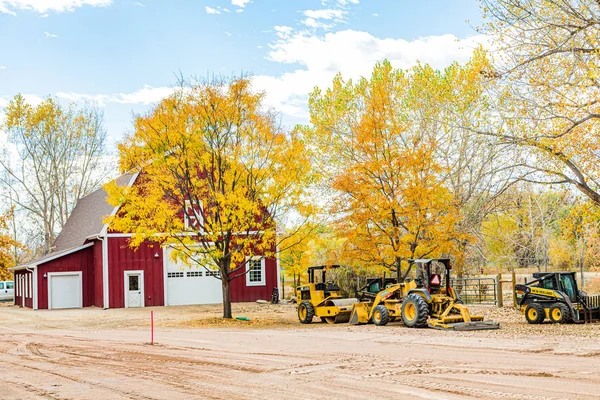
<point>321,298</point>
<point>555,296</point>
<point>427,301</point>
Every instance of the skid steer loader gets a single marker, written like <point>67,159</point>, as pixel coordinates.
<point>322,299</point>
<point>425,301</point>
<point>555,296</point>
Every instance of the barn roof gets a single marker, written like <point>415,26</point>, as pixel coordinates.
<point>84,222</point>
<point>86,218</point>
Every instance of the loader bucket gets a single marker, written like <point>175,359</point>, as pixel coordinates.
<point>461,320</point>
<point>360,314</point>
<point>463,326</point>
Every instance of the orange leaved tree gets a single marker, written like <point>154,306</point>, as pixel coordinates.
<point>7,247</point>
<point>217,175</point>
<point>377,138</point>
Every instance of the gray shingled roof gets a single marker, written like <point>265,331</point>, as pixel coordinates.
<point>86,218</point>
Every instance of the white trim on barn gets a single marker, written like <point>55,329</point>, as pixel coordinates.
<point>250,277</point>
<point>105,296</point>
<point>79,300</point>
<point>50,257</point>
<point>35,287</point>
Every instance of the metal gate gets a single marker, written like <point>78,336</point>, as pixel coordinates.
<point>476,290</point>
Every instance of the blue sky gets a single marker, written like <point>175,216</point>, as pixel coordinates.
<point>125,54</point>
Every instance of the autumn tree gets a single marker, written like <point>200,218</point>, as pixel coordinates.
<point>547,85</point>
<point>52,159</point>
<point>218,175</point>
<point>7,247</point>
<point>525,232</point>
<point>377,149</point>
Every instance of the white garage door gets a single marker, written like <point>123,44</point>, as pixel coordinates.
<point>64,290</point>
<point>187,285</point>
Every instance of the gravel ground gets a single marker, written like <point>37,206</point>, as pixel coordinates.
<point>105,354</point>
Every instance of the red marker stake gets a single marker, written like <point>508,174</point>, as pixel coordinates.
<point>151,327</point>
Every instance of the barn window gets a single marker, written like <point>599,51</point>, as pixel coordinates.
<point>213,273</point>
<point>192,216</point>
<point>175,275</point>
<point>10,285</point>
<point>194,274</point>
<point>255,268</point>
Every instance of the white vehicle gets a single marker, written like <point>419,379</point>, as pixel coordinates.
<point>7,290</point>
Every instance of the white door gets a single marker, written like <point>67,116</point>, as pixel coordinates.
<point>64,290</point>
<point>190,285</point>
<point>134,289</point>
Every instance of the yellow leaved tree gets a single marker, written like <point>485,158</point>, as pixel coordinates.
<point>548,85</point>
<point>377,141</point>
<point>7,246</point>
<point>217,176</point>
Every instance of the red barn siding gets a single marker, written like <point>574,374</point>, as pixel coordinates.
<point>242,293</point>
<point>98,293</point>
<point>82,260</point>
<point>122,258</point>
<point>20,298</point>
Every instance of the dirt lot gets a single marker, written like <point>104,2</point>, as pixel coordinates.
<point>97,354</point>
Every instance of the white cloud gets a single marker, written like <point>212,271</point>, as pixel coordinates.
<point>137,3</point>
<point>353,53</point>
<point>375,15</point>
<point>228,33</point>
<point>325,14</point>
<point>313,23</point>
<point>3,67</point>
<point>147,95</point>
<point>50,35</point>
<point>239,10</point>
<point>240,3</point>
<point>32,99</point>
<point>43,6</point>
<point>210,10</point>
<point>44,15</point>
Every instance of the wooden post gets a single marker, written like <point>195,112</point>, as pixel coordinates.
<point>500,300</point>
<point>514,284</point>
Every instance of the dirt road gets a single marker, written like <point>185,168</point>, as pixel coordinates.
<point>96,354</point>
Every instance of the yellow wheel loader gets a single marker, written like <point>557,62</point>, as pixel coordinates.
<point>425,301</point>
<point>322,299</point>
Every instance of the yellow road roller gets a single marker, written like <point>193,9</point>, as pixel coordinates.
<point>322,299</point>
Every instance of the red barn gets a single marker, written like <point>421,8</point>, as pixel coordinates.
<point>90,266</point>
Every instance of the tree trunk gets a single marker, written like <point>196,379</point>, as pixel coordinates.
<point>226,297</point>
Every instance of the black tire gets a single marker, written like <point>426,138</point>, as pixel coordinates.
<point>415,311</point>
<point>534,313</point>
<point>306,312</point>
<point>381,315</point>
<point>560,313</point>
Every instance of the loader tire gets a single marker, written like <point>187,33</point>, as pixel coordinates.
<point>415,311</point>
<point>560,313</point>
<point>306,312</point>
<point>535,314</point>
<point>381,315</point>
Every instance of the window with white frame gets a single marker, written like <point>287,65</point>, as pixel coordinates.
<point>192,216</point>
<point>255,271</point>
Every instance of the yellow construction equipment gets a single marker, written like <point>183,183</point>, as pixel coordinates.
<point>425,301</point>
<point>322,299</point>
